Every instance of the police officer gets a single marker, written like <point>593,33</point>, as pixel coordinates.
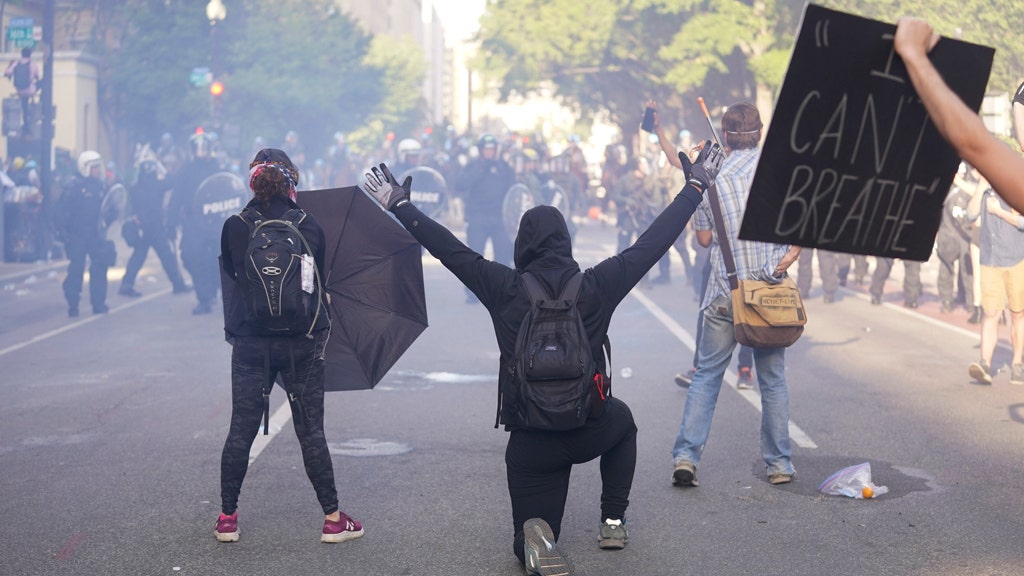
<point>147,197</point>
<point>81,224</point>
<point>200,243</point>
<point>484,182</point>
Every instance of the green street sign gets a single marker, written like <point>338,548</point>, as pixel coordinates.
<point>20,37</point>
<point>200,77</point>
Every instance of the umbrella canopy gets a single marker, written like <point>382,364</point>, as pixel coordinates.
<point>374,275</point>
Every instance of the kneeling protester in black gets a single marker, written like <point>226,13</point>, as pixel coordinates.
<point>541,451</point>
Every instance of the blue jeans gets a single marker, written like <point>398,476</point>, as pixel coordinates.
<point>715,349</point>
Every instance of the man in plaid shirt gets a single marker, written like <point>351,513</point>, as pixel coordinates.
<point>741,126</point>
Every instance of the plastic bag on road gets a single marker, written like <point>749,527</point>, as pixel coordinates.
<point>854,482</point>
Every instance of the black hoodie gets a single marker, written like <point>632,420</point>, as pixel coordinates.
<point>544,248</point>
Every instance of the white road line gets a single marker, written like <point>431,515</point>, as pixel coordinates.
<point>77,323</point>
<point>797,435</point>
<point>277,423</point>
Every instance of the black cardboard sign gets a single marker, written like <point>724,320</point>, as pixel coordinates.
<point>851,162</point>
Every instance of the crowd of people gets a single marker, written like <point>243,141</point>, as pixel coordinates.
<point>658,191</point>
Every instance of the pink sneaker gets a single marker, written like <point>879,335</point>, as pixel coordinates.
<point>344,529</point>
<point>227,528</point>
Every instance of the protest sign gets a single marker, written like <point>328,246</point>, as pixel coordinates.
<point>851,161</point>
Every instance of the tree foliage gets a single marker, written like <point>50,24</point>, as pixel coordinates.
<point>300,65</point>
<point>404,66</point>
<point>608,56</point>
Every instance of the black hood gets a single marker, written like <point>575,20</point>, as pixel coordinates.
<point>543,243</point>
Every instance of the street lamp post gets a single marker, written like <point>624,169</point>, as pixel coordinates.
<point>216,12</point>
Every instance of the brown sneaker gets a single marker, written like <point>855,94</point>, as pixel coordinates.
<point>980,372</point>
<point>685,474</point>
<point>780,478</point>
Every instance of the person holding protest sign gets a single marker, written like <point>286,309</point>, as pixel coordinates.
<point>742,126</point>
<point>957,123</point>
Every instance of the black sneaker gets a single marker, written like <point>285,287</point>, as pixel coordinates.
<point>612,534</point>
<point>975,316</point>
<point>876,300</point>
<point>129,292</point>
<point>73,312</point>
<point>202,308</point>
<point>541,552</point>
<point>100,309</point>
<point>1017,375</point>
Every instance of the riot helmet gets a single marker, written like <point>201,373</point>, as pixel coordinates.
<point>87,161</point>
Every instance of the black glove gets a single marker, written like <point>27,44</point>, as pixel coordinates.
<point>687,165</point>
<point>381,184</point>
<point>706,167</point>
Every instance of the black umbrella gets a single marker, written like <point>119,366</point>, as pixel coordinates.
<point>374,275</point>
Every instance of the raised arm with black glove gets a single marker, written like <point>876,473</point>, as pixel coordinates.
<point>380,183</point>
<point>701,173</point>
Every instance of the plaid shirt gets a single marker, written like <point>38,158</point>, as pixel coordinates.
<point>754,260</point>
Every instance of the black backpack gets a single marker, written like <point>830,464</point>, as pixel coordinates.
<point>555,378</point>
<point>272,283</point>
<point>22,75</point>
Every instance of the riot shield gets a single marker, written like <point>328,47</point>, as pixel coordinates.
<point>429,190</point>
<point>218,198</point>
<point>518,200</point>
<point>521,198</point>
<point>112,209</point>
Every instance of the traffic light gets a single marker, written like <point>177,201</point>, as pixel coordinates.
<point>216,90</point>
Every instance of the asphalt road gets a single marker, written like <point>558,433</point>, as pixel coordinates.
<point>111,429</point>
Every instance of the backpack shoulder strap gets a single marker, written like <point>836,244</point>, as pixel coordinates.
<point>534,287</point>
<point>295,216</point>
<point>572,289</point>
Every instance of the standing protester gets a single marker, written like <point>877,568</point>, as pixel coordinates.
<point>81,225</point>
<point>636,201</point>
<point>259,357</point>
<point>828,270</point>
<point>484,183</point>
<point>745,359</point>
<point>911,280</point>
<point>741,126</point>
<point>953,246</point>
<point>198,239</point>
<point>1002,280</point>
<point>147,197</point>
<point>997,162</point>
<point>538,462</point>
<point>25,75</point>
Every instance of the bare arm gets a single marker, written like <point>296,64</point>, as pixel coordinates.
<point>1018,123</point>
<point>791,256</point>
<point>703,237</point>
<point>666,146</point>
<point>1008,216</point>
<point>956,122</point>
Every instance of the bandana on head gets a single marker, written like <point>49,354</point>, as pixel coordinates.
<point>257,169</point>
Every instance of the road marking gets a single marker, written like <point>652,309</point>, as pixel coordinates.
<point>797,435</point>
<point>277,422</point>
<point>82,322</point>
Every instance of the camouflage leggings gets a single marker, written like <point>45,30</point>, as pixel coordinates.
<point>300,363</point>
